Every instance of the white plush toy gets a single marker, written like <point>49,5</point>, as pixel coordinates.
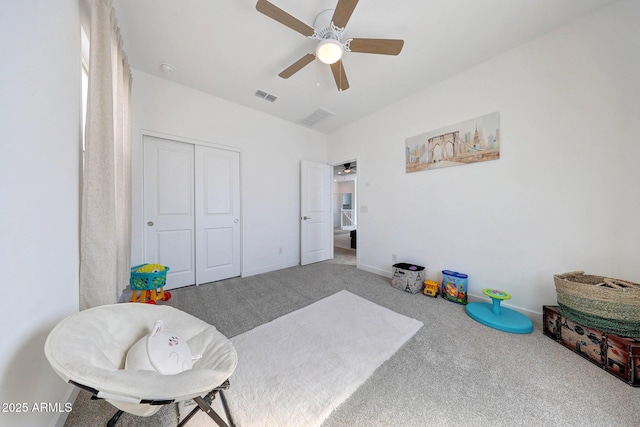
<point>162,351</point>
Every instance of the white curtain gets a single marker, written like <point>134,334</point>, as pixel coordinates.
<point>105,246</point>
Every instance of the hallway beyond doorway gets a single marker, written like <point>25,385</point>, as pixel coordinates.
<point>342,251</point>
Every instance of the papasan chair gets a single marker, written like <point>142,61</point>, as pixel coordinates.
<point>88,349</point>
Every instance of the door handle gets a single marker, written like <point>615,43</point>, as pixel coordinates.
<point>306,217</point>
<point>150,223</point>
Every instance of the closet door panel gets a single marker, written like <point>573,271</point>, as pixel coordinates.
<point>169,216</point>
<point>217,184</point>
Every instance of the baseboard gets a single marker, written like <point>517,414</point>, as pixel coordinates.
<point>267,269</point>
<point>375,270</point>
<point>72,394</point>
<point>535,316</point>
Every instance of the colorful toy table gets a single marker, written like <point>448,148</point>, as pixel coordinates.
<point>498,317</point>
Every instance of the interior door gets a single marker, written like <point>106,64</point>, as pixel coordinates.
<point>217,204</point>
<point>316,235</point>
<point>169,208</point>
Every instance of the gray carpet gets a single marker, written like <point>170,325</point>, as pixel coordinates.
<point>453,372</point>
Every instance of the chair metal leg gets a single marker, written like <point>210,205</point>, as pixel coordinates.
<point>226,409</point>
<point>112,422</point>
<point>207,409</point>
<point>204,404</point>
<point>189,416</point>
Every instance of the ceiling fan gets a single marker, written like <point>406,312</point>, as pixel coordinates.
<point>329,28</point>
<point>347,169</point>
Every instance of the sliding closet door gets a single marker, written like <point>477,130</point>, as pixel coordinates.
<point>191,211</point>
<point>217,189</point>
<point>169,219</point>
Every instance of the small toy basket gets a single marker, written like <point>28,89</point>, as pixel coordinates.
<point>140,281</point>
<point>408,277</point>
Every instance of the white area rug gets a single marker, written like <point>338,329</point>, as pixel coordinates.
<point>295,370</point>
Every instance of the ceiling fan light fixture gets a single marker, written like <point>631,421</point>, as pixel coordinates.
<point>329,51</point>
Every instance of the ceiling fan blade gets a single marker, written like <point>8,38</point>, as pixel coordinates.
<point>297,66</point>
<point>377,46</point>
<point>339,76</point>
<point>343,12</point>
<point>274,12</point>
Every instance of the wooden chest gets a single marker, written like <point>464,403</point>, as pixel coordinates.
<point>617,355</point>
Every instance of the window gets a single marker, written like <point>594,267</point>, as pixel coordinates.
<point>85,80</point>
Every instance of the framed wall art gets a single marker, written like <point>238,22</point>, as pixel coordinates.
<point>471,141</point>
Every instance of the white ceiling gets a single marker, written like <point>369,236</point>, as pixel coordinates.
<point>230,50</point>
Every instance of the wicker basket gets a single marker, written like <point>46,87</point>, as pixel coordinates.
<point>609,305</point>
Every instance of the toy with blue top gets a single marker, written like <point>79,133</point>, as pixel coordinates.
<point>454,286</point>
<point>149,280</point>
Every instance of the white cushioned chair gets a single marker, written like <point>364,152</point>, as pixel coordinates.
<point>89,348</point>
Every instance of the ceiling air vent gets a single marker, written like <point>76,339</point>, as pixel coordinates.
<point>266,96</point>
<point>317,116</point>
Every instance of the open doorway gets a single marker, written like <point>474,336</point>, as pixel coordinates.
<point>345,212</point>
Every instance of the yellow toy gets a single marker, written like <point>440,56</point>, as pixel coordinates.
<point>431,288</point>
<point>149,279</point>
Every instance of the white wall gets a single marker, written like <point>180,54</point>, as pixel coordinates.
<point>563,195</point>
<point>39,172</point>
<point>269,163</point>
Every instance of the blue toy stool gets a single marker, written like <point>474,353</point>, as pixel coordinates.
<point>497,317</point>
